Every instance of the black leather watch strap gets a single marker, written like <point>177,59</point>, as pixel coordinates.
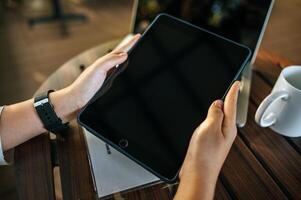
<point>47,114</point>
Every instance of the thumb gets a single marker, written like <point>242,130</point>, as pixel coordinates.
<point>111,60</point>
<point>127,44</point>
<point>215,112</point>
<point>118,55</point>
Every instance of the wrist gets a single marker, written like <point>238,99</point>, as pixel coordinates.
<point>197,186</point>
<point>195,180</point>
<point>198,173</point>
<point>64,105</point>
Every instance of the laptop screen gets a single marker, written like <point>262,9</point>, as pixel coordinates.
<point>239,20</point>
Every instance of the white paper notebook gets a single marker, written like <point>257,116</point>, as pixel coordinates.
<point>114,172</point>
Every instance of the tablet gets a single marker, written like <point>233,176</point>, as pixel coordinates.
<point>150,105</point>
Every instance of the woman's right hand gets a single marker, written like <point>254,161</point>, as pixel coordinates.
<point>208,149</point>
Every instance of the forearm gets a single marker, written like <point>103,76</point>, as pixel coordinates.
<point>20,122</point>
<point>196,188</point>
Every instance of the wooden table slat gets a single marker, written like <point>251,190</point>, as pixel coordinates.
<point>74,166</point>
<point>156,192</point>
<point>242,170</point>
<point>221,192</point>
<point>275,154</point>
<point>34,176</point>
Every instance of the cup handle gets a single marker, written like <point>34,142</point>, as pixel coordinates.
<point>267,120</point>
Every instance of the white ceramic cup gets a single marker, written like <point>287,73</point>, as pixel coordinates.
<point>281,110</point>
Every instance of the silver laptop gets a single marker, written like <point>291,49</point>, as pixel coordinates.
<point>112,171</point>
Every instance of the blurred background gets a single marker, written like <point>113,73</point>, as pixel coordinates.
<point>30,52</point>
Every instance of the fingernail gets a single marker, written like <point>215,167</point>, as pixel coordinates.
<point>219,104</point>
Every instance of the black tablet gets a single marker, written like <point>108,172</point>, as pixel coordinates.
<point>149,106</point>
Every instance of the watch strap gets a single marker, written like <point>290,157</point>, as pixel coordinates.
<point>47,114</point>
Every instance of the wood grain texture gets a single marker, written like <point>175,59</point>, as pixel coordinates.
<point>74,166</point>
<point>245,178</point>
<point>33,169</point>
<point>156,192</point>
<point>278,157</point>
<point>221,192</point>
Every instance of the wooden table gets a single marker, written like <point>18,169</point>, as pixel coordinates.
<point>260,165</point>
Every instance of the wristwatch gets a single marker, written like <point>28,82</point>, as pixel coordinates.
<point>47,114</point>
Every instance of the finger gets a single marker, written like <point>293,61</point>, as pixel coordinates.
<point>111,60</point>
<point>230,105</point>
<point>125,47</point>
<point>215,113</point>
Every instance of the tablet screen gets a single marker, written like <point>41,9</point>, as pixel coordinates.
<point>172,76</point>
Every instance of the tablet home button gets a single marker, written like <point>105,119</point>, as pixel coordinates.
<point>123,143</point>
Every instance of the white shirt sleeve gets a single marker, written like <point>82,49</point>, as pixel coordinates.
<point>2,160</point>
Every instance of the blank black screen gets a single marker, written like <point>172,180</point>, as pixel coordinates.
<point>171,77</point>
